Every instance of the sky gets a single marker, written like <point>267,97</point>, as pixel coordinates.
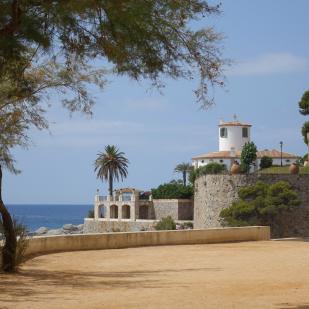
<point>267,42</point>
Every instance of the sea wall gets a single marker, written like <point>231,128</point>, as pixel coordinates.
<point>216,192</point>
<point>40,245</point>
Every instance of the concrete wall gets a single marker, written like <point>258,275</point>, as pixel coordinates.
<point>178,209</point>
<point>216,192</point>
<point>47,244</point>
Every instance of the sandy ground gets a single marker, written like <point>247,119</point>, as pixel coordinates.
<point>272,274</point>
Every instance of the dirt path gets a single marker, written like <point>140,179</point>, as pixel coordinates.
<point>243,275</point>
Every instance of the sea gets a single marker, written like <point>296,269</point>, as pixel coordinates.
<point>51,216</point>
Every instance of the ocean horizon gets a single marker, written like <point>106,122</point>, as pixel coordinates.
<point>51,216</point>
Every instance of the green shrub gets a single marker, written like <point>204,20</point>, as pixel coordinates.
<point>21,233</point>
<point>91,213</point>
<point>266,162</point>
<point>261,204</point>
<point>166,224</point>
<point>172,190</point>
<point>210,168</point>
<point>188,225</point>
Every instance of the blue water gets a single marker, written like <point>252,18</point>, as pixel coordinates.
<point>50,216</point>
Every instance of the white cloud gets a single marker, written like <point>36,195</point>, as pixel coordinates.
<point>270,63</point>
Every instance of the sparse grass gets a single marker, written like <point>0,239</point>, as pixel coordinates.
<point>283,170</point>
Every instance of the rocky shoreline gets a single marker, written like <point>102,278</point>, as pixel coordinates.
<point>64,230</point>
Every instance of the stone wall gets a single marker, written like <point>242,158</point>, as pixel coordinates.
<point>216,192</point>
<point>178,209</point>
<point>101,225</point>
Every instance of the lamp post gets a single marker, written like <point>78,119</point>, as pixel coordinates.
<point>281,144</point>
<point>308,147</point>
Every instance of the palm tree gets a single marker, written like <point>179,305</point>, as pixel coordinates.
<point>111,165</point>
<point>184,168</point>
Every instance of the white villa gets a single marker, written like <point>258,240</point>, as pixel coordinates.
<point>232,137</point>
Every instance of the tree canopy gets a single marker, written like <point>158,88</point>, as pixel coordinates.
<point>261,204</point>
<point>142,39</point>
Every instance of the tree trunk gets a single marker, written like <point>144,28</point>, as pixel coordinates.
<point>110,189</point>
<point>9,248</point>
<point>184,178</point>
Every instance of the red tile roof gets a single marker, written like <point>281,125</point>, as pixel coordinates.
<point>234,124</point>
<point>227,155</point>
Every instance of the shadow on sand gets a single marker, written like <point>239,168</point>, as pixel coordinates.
<point>34,283</point>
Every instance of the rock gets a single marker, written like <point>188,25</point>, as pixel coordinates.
<point>69,227</point>
<point>42,230</point>
<point>55,232</point>
<point>80,227</point>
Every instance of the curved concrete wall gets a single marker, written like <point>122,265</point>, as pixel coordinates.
<point>47,244</point>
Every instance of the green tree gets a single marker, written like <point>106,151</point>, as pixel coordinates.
<point>12,128</point>
<point>111,165</point>
<point>48,46</point>
<point>304,103</point>
<point>266,162</point>
<point>248,156</point>
<point>304,110</point>
<point>163,43</point>
<point>261,204</point>
<point>172,190</point>
<point>210,168</point>
<point>184,169</point>
<point>305,131</point>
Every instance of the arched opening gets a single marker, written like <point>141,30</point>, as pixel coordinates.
<point>125,212</point>
<point>143,212</point>
<point>114,212</point>
<point>102,211</point>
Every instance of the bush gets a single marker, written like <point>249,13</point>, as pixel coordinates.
<point>91,213</point>
<point>172,190</point>
<point>261,204</point>
<point>266,162</point>
<point>210,168</point>
<point>21,233</point>
<point>166,224</point>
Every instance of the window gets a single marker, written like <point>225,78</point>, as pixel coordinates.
<point>223,132</point>
<point>202,161</point>
<point>287,160</point>
<point>221,161</point>
<point>245,132</point>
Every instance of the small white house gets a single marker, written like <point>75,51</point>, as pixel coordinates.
<point>232,137</point>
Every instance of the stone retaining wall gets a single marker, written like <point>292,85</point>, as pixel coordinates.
<point>216,192</point>
<point>103,226</point>
<point>178,209</point>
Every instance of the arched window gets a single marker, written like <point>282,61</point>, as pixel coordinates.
<point>102,211</point>
<point>126,212</point>
<point>114,212</point>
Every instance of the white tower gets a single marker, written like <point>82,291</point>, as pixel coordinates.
<point>233,135</point>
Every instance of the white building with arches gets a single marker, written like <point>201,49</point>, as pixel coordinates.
<point>232,136</point>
